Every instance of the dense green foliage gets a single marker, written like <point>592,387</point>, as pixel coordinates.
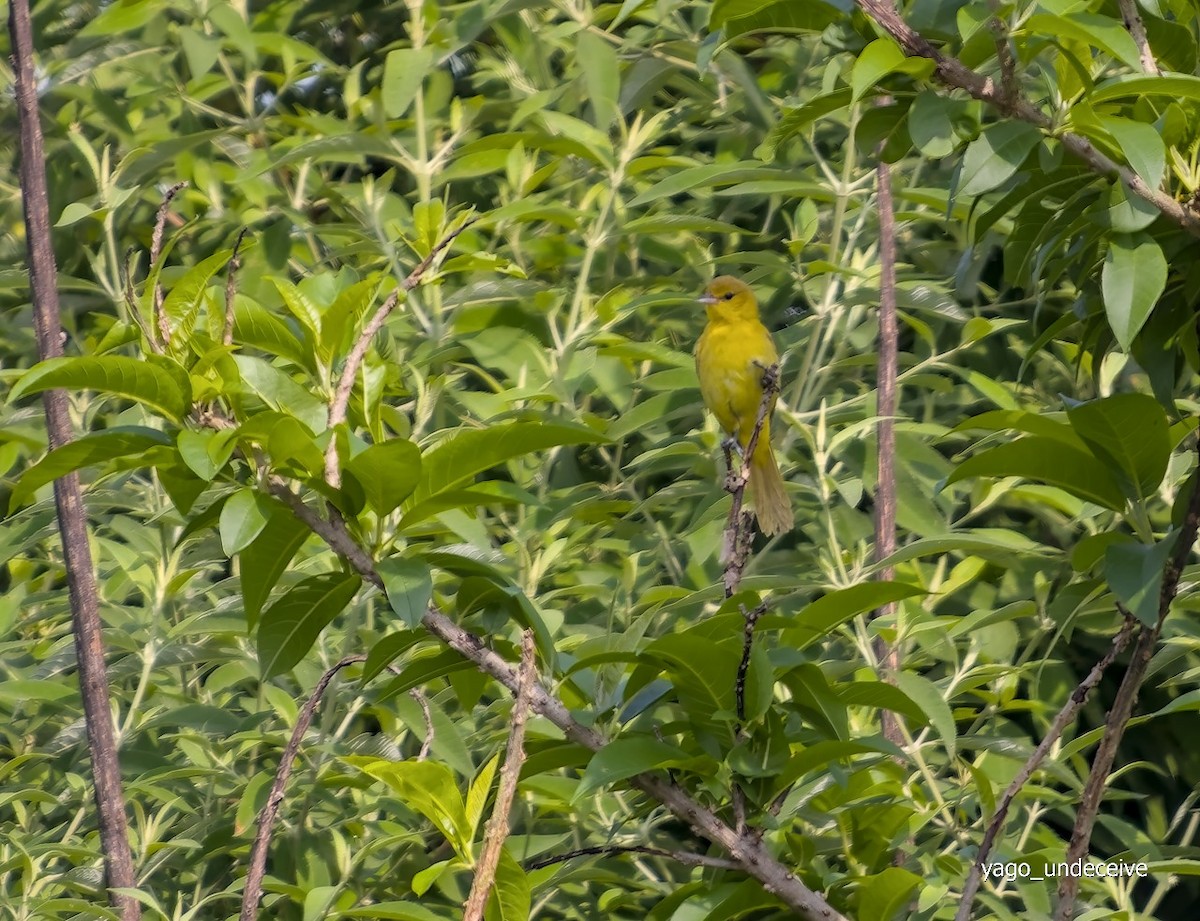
<point>526,447</point>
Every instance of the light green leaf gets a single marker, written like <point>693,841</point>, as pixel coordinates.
<point>470,452</point>
<point>118,375</point>
<point>882,896</point>
<point>95,448</point>
<point>1101,32</point>
<point>243,516</point>
<point>601,77</point>
<point>403,72</point>
<point>429,788</point>
<point>1133,278</point>
<point>1142,146</point>
<point>874,62</point>
<point>409,588</point>
<point>926,695</point>
<point>388,473</point>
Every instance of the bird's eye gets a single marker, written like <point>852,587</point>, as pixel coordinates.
<point>729,295</point>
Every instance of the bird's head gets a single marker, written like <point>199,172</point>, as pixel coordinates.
<point>728,298</point>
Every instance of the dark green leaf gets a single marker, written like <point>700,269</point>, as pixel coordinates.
<point>114,374</point>
<point>292,624</point>
<point>409,587</point>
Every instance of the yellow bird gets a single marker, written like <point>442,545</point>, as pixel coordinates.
<point>731,356</point>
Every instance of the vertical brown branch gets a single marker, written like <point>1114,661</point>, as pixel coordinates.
<point>1137,31</point>
<point>231,270</point>
<point>1057,727</point>
<point>72,516</point>
<point>160,320</point>
<point>514,757</point>
<point>257,868</point>
<point>885,429</point>
<point>1122,709</point>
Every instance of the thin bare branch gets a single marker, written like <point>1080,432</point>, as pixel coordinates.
<point>1137,31</point>
<point>613,850</point>
<point>68,495</point>
<point>1122,709</point>
<point>739,527</point>
<point>952,72</point>
<point>1004,54</point>
<point>887,654</point>
<point>1063,719</point>
<point>257,868</point>
<point>231,270</point>
<point>514,757</point>
<point>427,743</point>
<point>341,396</point>
<point>160,220</point>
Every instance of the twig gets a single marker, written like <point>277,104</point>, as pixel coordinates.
<point>746,850</point>
<point>749,622</point>
<point>235,263</point>
<point>1137,31</point>
<point>612,850</point>
<point>427,743</point>
<point>739,530</point>
<point>887,654</point>
<point>1122,709</point>
<point>1064,718</point>
<point>160,220</point>
<point>1004,55</point>
<point>514,757</point>
<point>341,396</point>
<point>252,892</point>
<point>952,72</point>
<point>68,497</point>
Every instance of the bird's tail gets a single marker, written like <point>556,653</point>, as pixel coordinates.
<point>767,490</point>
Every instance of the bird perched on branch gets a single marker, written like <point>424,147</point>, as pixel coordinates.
<point>732,356</point>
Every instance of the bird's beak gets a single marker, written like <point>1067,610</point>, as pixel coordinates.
<point>707,299</point>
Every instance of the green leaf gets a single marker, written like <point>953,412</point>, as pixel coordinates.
<point>403,72</point>
<point>409,587</point>
<point>95,448</point>
<point>995,155</point>
<point>739,17</point>
<point>882,896</point>
<point>473,451</point>
<point>292,624</point>
<point>704,177</point>
<point>1134,572</point>
<point>256,326</point>
<point>827,613</point>
<point>1046,460</point>
<point>299,305</point>
<point>264,560</point>
<point>625,757</point>
<point>926,695</point>
<point>122,16</point>
<point>796,119</point>
<point>601,77</point>
<point>243,516</point>
<point>344,313</point>
<point>874,62</point>
<point>429,788</point>
<point>1142,146</point>
<point>384,652</point>
<point>388,473</point>
<point>1101,32</point>
<point>1129,432</point>
<point>185,294</point>
<point>511,897</point>
<point>1136,86</point>
<point>702,672</point>
<point>931,122</point>
<point>280,392</point>
<point>206,452</point>
<point>1133,278</point>
<point>118,375</point>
